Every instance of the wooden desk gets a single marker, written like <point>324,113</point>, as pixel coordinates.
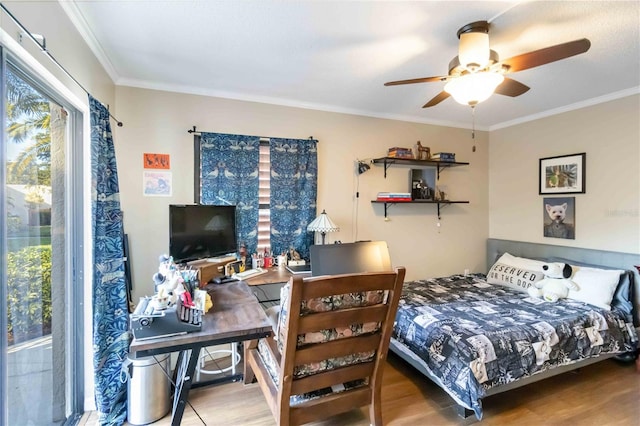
<point>236,316</point>
<point>276,275</point>
<point>267,286</point>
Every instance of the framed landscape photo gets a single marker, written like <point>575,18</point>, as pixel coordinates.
<point>562,175</point>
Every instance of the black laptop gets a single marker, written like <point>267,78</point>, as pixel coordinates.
<point>349,258</point>
<point>299,269</point>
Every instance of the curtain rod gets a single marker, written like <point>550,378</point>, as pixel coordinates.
<point>43,47</point>
<point>193,130</point>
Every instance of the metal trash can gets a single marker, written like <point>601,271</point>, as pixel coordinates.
<point>148,389</point>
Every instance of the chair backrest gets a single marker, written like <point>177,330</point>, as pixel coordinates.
<point>365,256</point>
<point>335,335</point>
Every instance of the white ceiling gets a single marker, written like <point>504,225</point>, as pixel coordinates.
<point>336,55</point>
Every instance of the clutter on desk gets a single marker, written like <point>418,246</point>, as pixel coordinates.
<point>177,306</point>
<point>148,322</point>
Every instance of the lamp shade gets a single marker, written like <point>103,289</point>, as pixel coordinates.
<point>471,89</point>
<point>322,224</point>
<point>473,50</point>
<point>362,167</point>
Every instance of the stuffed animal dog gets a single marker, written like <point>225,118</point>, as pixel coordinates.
<point>555,284</point>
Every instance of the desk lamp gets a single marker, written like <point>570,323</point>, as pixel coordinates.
<point>322,224</point>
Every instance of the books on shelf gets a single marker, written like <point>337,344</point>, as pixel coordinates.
<point>443,156</point>
<point>399,152</point>
<point>393,196</point>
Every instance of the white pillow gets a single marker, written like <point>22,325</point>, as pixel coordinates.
<point>515,272</point>
<point>596,285</point>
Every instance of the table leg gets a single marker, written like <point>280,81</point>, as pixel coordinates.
<point>186,367</point>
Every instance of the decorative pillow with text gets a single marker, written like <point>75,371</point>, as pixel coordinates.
<point>518,273</point>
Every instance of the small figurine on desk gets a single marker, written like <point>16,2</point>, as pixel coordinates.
<point>243,256</point>
<point>293,254</point>
<point>168,281</point>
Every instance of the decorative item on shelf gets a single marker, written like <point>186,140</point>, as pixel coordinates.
<point>392,197</point>
<point>444,156</point>
<point>422,152</point>
<point>421,191</point>
<point>398,152</point>
<point>322,224</point>
<point>439,195</point>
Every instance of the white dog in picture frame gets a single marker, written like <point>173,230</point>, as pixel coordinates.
<point>557,228</point>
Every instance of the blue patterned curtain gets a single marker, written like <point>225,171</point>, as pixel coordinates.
<point>110,310</point>
<point>294,172</point>
<point>229,176</point>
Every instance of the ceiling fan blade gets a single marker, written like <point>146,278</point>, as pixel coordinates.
<point>437,99</point>
<point>510,87</point>
<point>547,55</point>
<point>416,80</point>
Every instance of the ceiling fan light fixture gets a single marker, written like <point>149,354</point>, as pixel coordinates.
<point>471,89</point>
<point>473,50</point>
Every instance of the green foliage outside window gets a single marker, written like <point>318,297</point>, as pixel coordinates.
<point>29,293</point>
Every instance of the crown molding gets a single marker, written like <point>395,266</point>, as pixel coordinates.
<point>80,23</point>
<point>193,90</point>
<point>571,107</point>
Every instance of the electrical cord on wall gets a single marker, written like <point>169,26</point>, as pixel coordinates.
<point>361,167</point>
<point>355,226</point>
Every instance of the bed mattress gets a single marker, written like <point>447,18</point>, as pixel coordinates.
<point>473,336</point>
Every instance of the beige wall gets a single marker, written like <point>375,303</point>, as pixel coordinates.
<point>47,18</point>
<point>608,214</point>
<point>158,121</point>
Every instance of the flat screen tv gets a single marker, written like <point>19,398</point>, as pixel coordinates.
<point>201,231</point>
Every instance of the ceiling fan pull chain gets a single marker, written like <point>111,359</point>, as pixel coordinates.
<point>473,121</point>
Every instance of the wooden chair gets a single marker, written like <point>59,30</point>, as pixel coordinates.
<point>329,350</point>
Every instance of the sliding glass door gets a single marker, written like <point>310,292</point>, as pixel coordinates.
<point>41,330</point>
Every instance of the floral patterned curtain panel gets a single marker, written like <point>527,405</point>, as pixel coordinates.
<point>110,310</point>
<point>294,173</point>
<point>229,176</point>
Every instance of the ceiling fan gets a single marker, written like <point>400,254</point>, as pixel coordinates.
<point>477,72</point>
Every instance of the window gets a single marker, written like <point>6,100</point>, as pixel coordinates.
<point>264,191</point>
<point>41,344</point>
<point>272,181</point>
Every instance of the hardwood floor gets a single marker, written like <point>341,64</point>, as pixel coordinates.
<point>606,393</point>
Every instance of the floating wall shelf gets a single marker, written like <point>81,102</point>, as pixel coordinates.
<point>442,203</point>
<point>439,165</point>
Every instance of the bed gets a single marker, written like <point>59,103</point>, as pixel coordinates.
<point>474,336</point>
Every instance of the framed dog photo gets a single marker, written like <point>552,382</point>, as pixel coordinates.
<point>559,217</point>
<point>562,175</point>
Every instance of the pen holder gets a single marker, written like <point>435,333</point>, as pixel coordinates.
<point>257,262</point>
